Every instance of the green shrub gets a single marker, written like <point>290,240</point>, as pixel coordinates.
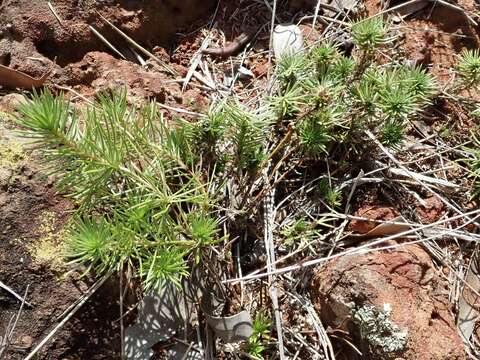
<point>153,194</point>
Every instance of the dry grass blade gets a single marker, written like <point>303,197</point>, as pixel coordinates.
<point>388,228</point>
<point>10,290</point>
<point>270,250</point>
<point>317,325</point>
<point>413,175</point>
<point>52,9</point>
<point>427,179</point>
<point>195,61</point>
<point>270,47</point>
<point>366,248</point>
<point>180,111</point>
<point>5,341</point>
<point>68,316</point>
<point>106,42</point>
<point>469,301</point>
<point>139,47</point>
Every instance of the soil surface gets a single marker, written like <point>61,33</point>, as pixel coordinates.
<point>31,213</point>
<point>33,40</point>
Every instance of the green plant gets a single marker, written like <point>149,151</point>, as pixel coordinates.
<point>331,99</point>
<point>468,67</point>
<point>147,190</point>
<point>295,231</point>
<point>153,195</point>
<point>368,34</point>
<point>392,133</point>
<point>261,330</point>
<point>292,69</point>
<point>143,200</point>
<point>324,57</point>
<point>403,90</point>
<point>474,163</point>
<point>248,131</point>
<point>332,196</point>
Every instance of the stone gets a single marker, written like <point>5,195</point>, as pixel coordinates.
<point>391,303</point>
<point>10,102</point>
<point>371,212</point>
<point>287,40</point>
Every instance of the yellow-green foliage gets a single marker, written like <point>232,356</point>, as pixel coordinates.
<point>47,250</point>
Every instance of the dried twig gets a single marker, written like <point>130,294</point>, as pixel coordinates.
<point>5,341</point>
<point>52,9</point>
<point>268,216</point>
<point>139,47</point>
<point>106,42</point>
<point>366,248</point>
<point>11,291</point>
<point>194,62</point>
<point>68,316</point>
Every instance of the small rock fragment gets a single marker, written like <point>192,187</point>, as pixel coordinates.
<point>287,40</point>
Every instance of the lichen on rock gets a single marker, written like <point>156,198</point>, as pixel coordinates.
<point>378,331</point>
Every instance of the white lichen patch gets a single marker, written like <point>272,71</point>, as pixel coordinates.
<point>378,331</point>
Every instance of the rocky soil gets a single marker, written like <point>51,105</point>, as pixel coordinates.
<point>401,294</point>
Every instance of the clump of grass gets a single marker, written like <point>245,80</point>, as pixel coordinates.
<point>392,133</point>
<point>135,180</point>
<point>332,196</point>
<point>153,195</point>
<point>147,191</point>
<point>342,96</point>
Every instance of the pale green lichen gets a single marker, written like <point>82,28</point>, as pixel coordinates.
<point>11,153</point>
<point>378,331</point>
<point>48,249</point>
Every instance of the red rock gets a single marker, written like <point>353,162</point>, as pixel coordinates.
<point>433,210</point>
<point>374,212</point>
<point>396,292</point>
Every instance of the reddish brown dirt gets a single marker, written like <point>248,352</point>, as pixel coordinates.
<point>431,211</point>
<point>404,279</point>
<point>33,41</point>
<point>25,196</point>
<point>435,37</point>
<point>31,29</point>
<point>99,71</point>
<point>438,40</point>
